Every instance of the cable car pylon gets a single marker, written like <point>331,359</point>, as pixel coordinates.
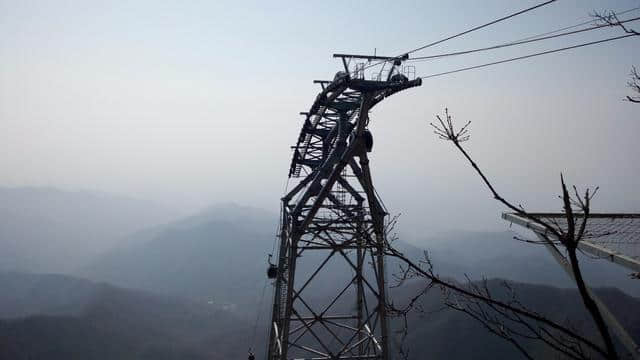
<point>332,216</point>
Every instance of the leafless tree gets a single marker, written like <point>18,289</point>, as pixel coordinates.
<point>611,18</point>
<point>634,84</point>
<point>509,318</point>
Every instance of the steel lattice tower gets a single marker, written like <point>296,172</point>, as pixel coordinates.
<point>332,216</point>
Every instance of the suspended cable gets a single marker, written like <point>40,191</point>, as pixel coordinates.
<point>618,13</point>
<point>513,43</point>
<point>465,32</point>
<point>481,26</point>
<point>528,56</point>
<point>259,312</point>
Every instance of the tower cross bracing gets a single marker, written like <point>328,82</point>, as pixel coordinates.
<point>333,220</point>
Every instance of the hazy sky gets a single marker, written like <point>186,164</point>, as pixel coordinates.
<point>196,102</point>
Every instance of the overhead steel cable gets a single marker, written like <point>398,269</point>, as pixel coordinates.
<point>528,56</point>
<point>520,42</point>
<point>618,13</point>
<point>464,32</point>
<point>481,26</point>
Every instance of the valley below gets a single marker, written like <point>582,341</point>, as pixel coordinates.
<point>192,288</point>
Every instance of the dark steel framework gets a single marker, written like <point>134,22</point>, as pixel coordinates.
<point>333,215</point>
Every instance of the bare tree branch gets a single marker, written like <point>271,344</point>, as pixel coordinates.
<point>460,298</point>
<point>611,18</point>
<point>569,237</point>
<point>510,320</point>
<point>634,84</point>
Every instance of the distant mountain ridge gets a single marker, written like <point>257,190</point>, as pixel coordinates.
<point>497,255</point>
<point>25,294</point>
<point>60,317</point>
<point>190,288</point>
<point>220,254</point>
<point>114,323</point>
<point>52,230</point>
